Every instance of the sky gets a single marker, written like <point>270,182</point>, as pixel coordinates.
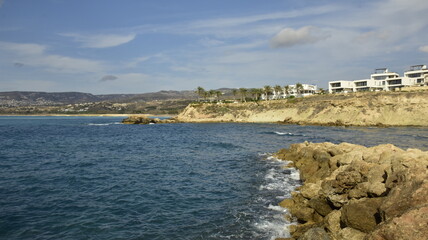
<point>138,46</point>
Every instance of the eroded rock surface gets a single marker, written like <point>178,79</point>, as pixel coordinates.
<point>354,192</point>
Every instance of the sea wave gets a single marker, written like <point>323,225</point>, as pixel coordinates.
<point>103,124</point>
<point>277,184</point>
<point>289,134</point>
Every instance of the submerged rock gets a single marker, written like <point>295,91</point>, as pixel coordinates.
<point>355,192</point>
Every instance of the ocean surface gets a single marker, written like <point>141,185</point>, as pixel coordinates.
<point>94,178</point>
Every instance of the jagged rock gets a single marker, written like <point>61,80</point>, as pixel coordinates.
<point>315,234</point>
<point>146,120</point>
<point>310,190</point>
<point>320,205</point>
<point>332,221</point>
<point>350,234</point>
<point>411,225</point>
<point>298,230</point>
<point>358,190</point>
<point>362,214</point>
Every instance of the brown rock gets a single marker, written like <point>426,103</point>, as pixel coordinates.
<point>315,234</point>
<point>362,214</point>
<point>411,225</point>
<point>320,205</point>
<point>332,221</point>
<point>350,234</point>
<point>310,190</point>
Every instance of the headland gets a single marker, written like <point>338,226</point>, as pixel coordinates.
<point>354,109</point>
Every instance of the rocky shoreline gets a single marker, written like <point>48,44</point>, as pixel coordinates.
<point>352,192</point>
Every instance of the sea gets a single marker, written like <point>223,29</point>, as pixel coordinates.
<point>95,178</point>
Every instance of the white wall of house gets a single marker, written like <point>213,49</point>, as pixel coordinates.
<point>382,79</point>
<point>340,86</point>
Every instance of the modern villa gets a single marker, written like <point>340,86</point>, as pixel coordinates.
<point>383,80</point>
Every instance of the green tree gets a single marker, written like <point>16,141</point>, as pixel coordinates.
<point>277,90</point>
<point>243,93</point>
<point>201,92</point>
<point>235,93</point>
<point>286,89</point>
<point>211,94</point>
<point>267,90</point>
<point>218,94</point>
<point>299,88</point>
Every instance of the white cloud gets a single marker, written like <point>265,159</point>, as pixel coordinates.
<point>424,48</point>
<point>23,48</point>
<point>1,2</point>
<point>35,55</point>
<point>289,37</point>
<point>100,40</point>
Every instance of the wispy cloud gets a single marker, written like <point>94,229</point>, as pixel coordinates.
<point>289,37</point>
<point>424,48</point>
<point>100,40</point>
<point>108,78</point>
<point>1,3</point>
<point>36,55</point>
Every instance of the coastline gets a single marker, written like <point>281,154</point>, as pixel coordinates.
<point>379,109</point>
<point>83,115</point>
<point>353,192</point>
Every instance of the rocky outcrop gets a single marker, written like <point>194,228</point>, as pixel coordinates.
<point>353,192</point>
<point>146,120</point>
<point>356,109</point>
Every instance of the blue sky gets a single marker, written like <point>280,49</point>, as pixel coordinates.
<point>133,46</point>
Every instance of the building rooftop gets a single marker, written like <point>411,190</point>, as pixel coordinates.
<point>417,67</point>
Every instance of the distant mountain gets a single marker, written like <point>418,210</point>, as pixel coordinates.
<point>21,98</point>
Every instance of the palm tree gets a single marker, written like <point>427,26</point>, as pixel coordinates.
<point>211,94</point>
<point>235,93</point>
<point>218,94</point>
<point>267,90</point>
<point>243,92</point>
<point>299,88</point>
<point>286,90</point>
<point>277,89</point>
<point>201,92</point>
<point>254,93</point>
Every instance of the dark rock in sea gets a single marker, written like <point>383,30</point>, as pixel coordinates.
<point>146,120</point>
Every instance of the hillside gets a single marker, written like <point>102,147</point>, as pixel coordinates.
<point>17,98</point>
<point>358,109</point>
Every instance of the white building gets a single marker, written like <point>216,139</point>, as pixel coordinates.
<point>340,86</point>
<point>383,79</point>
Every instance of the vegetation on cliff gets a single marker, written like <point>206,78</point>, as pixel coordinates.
<point>354,192</point>
<point>358,109</point>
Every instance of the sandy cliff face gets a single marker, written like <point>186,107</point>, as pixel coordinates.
<point>359,109</point>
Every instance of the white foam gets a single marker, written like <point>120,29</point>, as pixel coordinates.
<point>288,134</point>
<point>276,228</point>
<point>277,208</point>
<point>98,124</point>
<point>281,182</point>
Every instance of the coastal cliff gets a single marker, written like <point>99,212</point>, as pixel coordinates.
<point>353,192</point>
<point>357,109</point>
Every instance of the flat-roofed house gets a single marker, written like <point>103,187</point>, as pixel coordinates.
<point>340,86</point>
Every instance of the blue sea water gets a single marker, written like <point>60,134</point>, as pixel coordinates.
<point>94,178</point>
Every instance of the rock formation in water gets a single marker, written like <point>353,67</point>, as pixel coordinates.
<point>351,192</point>
<point>146,120</point>
<point>356,109</point>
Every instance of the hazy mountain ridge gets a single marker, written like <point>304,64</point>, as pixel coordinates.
<point>23,98</point>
